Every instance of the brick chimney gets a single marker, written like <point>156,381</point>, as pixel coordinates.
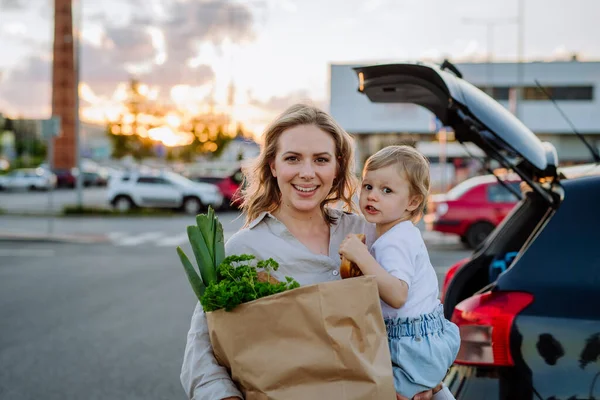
<point>63,85</point>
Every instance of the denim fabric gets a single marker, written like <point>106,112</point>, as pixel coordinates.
<point>422,350</point>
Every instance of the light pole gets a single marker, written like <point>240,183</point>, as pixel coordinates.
<point>490,24</point>
<point>77,62</point>
<point>520,50</point>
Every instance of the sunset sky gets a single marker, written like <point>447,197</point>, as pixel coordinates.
<point>276,51</point>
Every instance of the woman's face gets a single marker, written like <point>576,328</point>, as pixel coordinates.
<point>305,167</point>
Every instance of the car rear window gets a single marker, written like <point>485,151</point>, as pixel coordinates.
<point>496,193</point>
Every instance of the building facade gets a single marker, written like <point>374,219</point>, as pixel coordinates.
<point>573,84</point>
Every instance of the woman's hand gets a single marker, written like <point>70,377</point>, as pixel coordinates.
<point>353,249</point>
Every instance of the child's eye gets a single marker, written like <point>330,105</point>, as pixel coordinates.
<point>367,186</point>
<point>387,190</point>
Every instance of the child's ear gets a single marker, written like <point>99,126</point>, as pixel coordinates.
<point>415,202</point>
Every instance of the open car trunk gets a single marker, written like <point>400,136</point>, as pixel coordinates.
<point>476,118</point>
<point>510,237</point>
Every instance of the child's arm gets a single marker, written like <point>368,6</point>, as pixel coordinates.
<point>392,290</point>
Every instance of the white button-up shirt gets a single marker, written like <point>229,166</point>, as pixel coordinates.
<point>266,237</point>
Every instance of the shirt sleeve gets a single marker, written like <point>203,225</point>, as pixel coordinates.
<point>396,257</point>
<point>201,375</point>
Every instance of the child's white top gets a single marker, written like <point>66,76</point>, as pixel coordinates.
<point>402,252</point>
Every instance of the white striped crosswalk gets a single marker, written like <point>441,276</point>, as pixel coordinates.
<point>168,239</point>
<point>160,239</point>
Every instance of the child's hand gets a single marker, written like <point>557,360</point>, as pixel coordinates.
<point>353,248</point>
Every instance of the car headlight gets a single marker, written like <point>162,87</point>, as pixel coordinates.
<point>441,209</point>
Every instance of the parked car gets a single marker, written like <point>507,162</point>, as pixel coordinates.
<point>473,208</point>
<point>502,263</point>
<point>527,301</point>
<point>162,190</point>
<point>28,179</point>
<point>65,178</point>
<point>229,186</point>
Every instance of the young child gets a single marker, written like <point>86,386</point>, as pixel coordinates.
<point>423,344</point>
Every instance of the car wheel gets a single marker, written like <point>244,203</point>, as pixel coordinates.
<point>32,187</point>
<point>477,233</point>
<point>192,205</point>
<point>123,204</point>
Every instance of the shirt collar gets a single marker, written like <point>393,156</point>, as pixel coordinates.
<point>334,212</point>
<point>258,219</point>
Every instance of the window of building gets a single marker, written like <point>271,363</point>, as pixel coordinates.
<point>497,92</point>
<point>559,93</point>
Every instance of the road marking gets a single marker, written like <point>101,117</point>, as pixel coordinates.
<point>113,236</point>
<point>27,252</point>
<point>160,239</point>
<point>135,240</point>
<point>173,240</point>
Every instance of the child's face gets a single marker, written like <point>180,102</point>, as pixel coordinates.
<point>385,197</point>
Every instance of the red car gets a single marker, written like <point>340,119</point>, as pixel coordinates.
<point>473,208</point>
<point>230,187</point>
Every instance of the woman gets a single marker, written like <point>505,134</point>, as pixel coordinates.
<point>305,165</point>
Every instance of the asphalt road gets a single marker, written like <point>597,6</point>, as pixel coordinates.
<point>105,320</point>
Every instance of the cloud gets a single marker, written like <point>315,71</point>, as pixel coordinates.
<point>156,49</point>
<point>278,104</point>
<point>28,89</point>
<point>12,5</point>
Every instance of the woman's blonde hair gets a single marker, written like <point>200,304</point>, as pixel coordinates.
<point>412,164</point>
<point>261,191</point>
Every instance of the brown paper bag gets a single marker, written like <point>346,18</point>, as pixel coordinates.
<point>324,341</point>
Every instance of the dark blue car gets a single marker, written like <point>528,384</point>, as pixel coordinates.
<point>531,329</point>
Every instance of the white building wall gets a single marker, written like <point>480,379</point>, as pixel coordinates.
<point>358,115</point>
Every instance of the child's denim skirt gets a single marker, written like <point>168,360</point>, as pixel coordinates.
<point>422,350</point>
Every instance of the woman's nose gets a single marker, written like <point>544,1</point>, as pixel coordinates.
<point>307,171</point>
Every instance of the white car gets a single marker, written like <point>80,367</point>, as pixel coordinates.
<point>162,190</point>
<point>28,179</point>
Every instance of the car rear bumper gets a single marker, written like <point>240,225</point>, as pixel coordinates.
<point>465,383</point>
<point>489,383</point>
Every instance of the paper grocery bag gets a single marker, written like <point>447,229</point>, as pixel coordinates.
<point>324,341</point>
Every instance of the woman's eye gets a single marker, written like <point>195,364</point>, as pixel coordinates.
<point>291,158</point>
<point>322,160</point>
<point>387,190</point>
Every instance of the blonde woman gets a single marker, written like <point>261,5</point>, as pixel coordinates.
<point>305,166</point>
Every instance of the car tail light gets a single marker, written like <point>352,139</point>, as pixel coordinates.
<point>485,322</point>
<point>450,274</point>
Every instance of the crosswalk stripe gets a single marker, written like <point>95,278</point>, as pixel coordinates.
<point>161,239</point>
<point>135,240</point>
<point>112,236</point>
<point>173,240</point>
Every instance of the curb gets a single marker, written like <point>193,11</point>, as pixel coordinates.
<point>51,238</point>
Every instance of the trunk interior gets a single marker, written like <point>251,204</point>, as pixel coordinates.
<point>511,236</point>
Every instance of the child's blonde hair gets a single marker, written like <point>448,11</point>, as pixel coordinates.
<point>412,165</point>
